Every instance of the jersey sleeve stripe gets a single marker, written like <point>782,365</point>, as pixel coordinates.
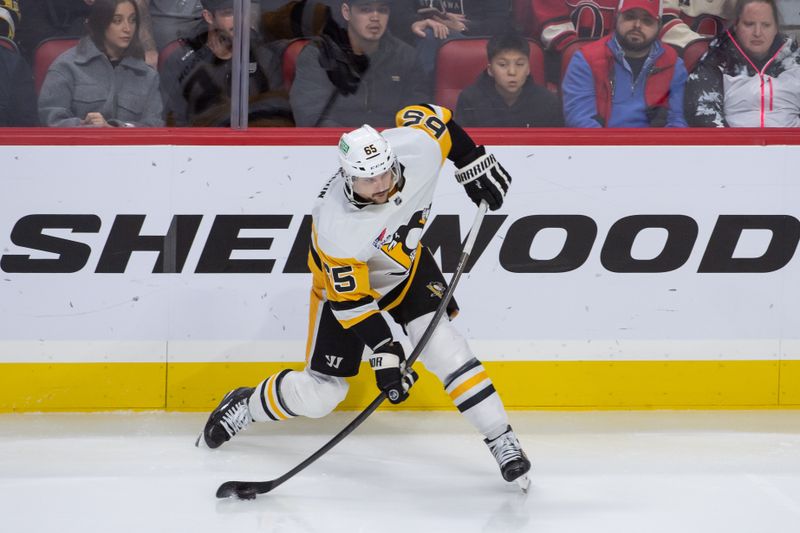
<point>352,304</point>
<point>348,319</point>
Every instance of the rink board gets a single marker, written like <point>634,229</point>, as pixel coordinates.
<point>522,385</point>
<point>160,276</point>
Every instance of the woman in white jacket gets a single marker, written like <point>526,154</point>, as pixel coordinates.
<point>750,76</point>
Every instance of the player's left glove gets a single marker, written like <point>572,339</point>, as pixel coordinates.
<point>389,363</point>
<point>483,178</point>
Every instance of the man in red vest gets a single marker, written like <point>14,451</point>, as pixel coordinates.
<point>627,79</point>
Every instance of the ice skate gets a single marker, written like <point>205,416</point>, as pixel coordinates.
<point>514,464</point>
<point>231,416</point>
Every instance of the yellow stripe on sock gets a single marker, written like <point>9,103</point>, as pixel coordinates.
<point>272,399</point>
<point>471,382</point>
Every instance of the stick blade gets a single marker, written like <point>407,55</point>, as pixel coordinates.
<point>243,490</point>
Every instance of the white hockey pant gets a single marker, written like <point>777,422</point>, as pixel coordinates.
<point>448,356</point>
<point>291,393</point>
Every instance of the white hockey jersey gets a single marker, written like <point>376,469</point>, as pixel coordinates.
<point>362,257</point>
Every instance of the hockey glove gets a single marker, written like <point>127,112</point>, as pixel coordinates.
<point>343,67</point>
<point>389,363</point>
<point>483,178</point>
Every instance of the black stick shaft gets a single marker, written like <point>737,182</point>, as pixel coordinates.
<point>248,489</point>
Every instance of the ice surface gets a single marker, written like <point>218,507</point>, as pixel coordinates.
<point>411,472</point>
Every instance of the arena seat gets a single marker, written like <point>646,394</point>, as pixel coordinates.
<point>5,42</point>
<point>693,52</point>
<point>459,62</point>
<point>521,9</point>
<point>569,51</point>
<point>289,60</point>
<point>170,48</point>
<point>47,51</point>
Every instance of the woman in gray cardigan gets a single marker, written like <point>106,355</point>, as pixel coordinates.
<point>104,80</point>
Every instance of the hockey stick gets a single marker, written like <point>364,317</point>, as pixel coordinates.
<point>247,490</point>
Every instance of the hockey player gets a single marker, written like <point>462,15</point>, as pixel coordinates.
<point>367,261</point>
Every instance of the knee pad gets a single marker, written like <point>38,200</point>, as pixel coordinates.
<point>309,393</point>
<point>446,351</point>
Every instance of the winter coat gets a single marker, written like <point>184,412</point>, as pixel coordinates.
<point>630,100</point>
<point>83,80</point>
<point>481,105</point>
<point>391,82</point>
<point>196,84</point>
<point>727,89</point>
<point>17,100</point>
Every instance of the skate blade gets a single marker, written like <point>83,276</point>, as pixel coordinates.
<point>524,483</point>
<point>200,442</point>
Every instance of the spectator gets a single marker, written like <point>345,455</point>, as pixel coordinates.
<point>627,79</point>
<point>179,19</point>
<point>17,100</point>
<point>357,75</point>
<point>103,81</point>
<point>505,94</point>
<point>45,19</point>
<point>196,83</point>
<point>750,76</point>
<point>438,21</point>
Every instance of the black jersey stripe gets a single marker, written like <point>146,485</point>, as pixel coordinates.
<point>315,256</point>
<point>352,304</point>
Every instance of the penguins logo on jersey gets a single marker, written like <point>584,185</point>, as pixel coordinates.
<point>403,243</point>
<point>437,288</point>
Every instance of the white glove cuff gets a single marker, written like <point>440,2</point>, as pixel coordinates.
<point>383,360</point>
<point>475,169</point>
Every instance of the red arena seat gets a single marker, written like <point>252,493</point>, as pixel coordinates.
<point>693,52</point>
<point>47,51</point>
<point>170,48</point>
<point>289,60</point>
<point>569,51</point>
<point>459,62</point>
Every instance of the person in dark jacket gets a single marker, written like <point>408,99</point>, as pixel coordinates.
<point>196,80</point>
<point>358,75</point>
<point>438,21</point>
<point>17,100</point>
<point>504,95</point>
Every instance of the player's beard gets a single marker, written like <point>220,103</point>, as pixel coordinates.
<point>634,46</point>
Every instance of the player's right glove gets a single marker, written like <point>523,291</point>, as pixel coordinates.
<point>343,66</point>
<point>483,178</point>
<point>389,363</point>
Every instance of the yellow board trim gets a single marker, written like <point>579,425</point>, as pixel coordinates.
<point>521,384</point>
